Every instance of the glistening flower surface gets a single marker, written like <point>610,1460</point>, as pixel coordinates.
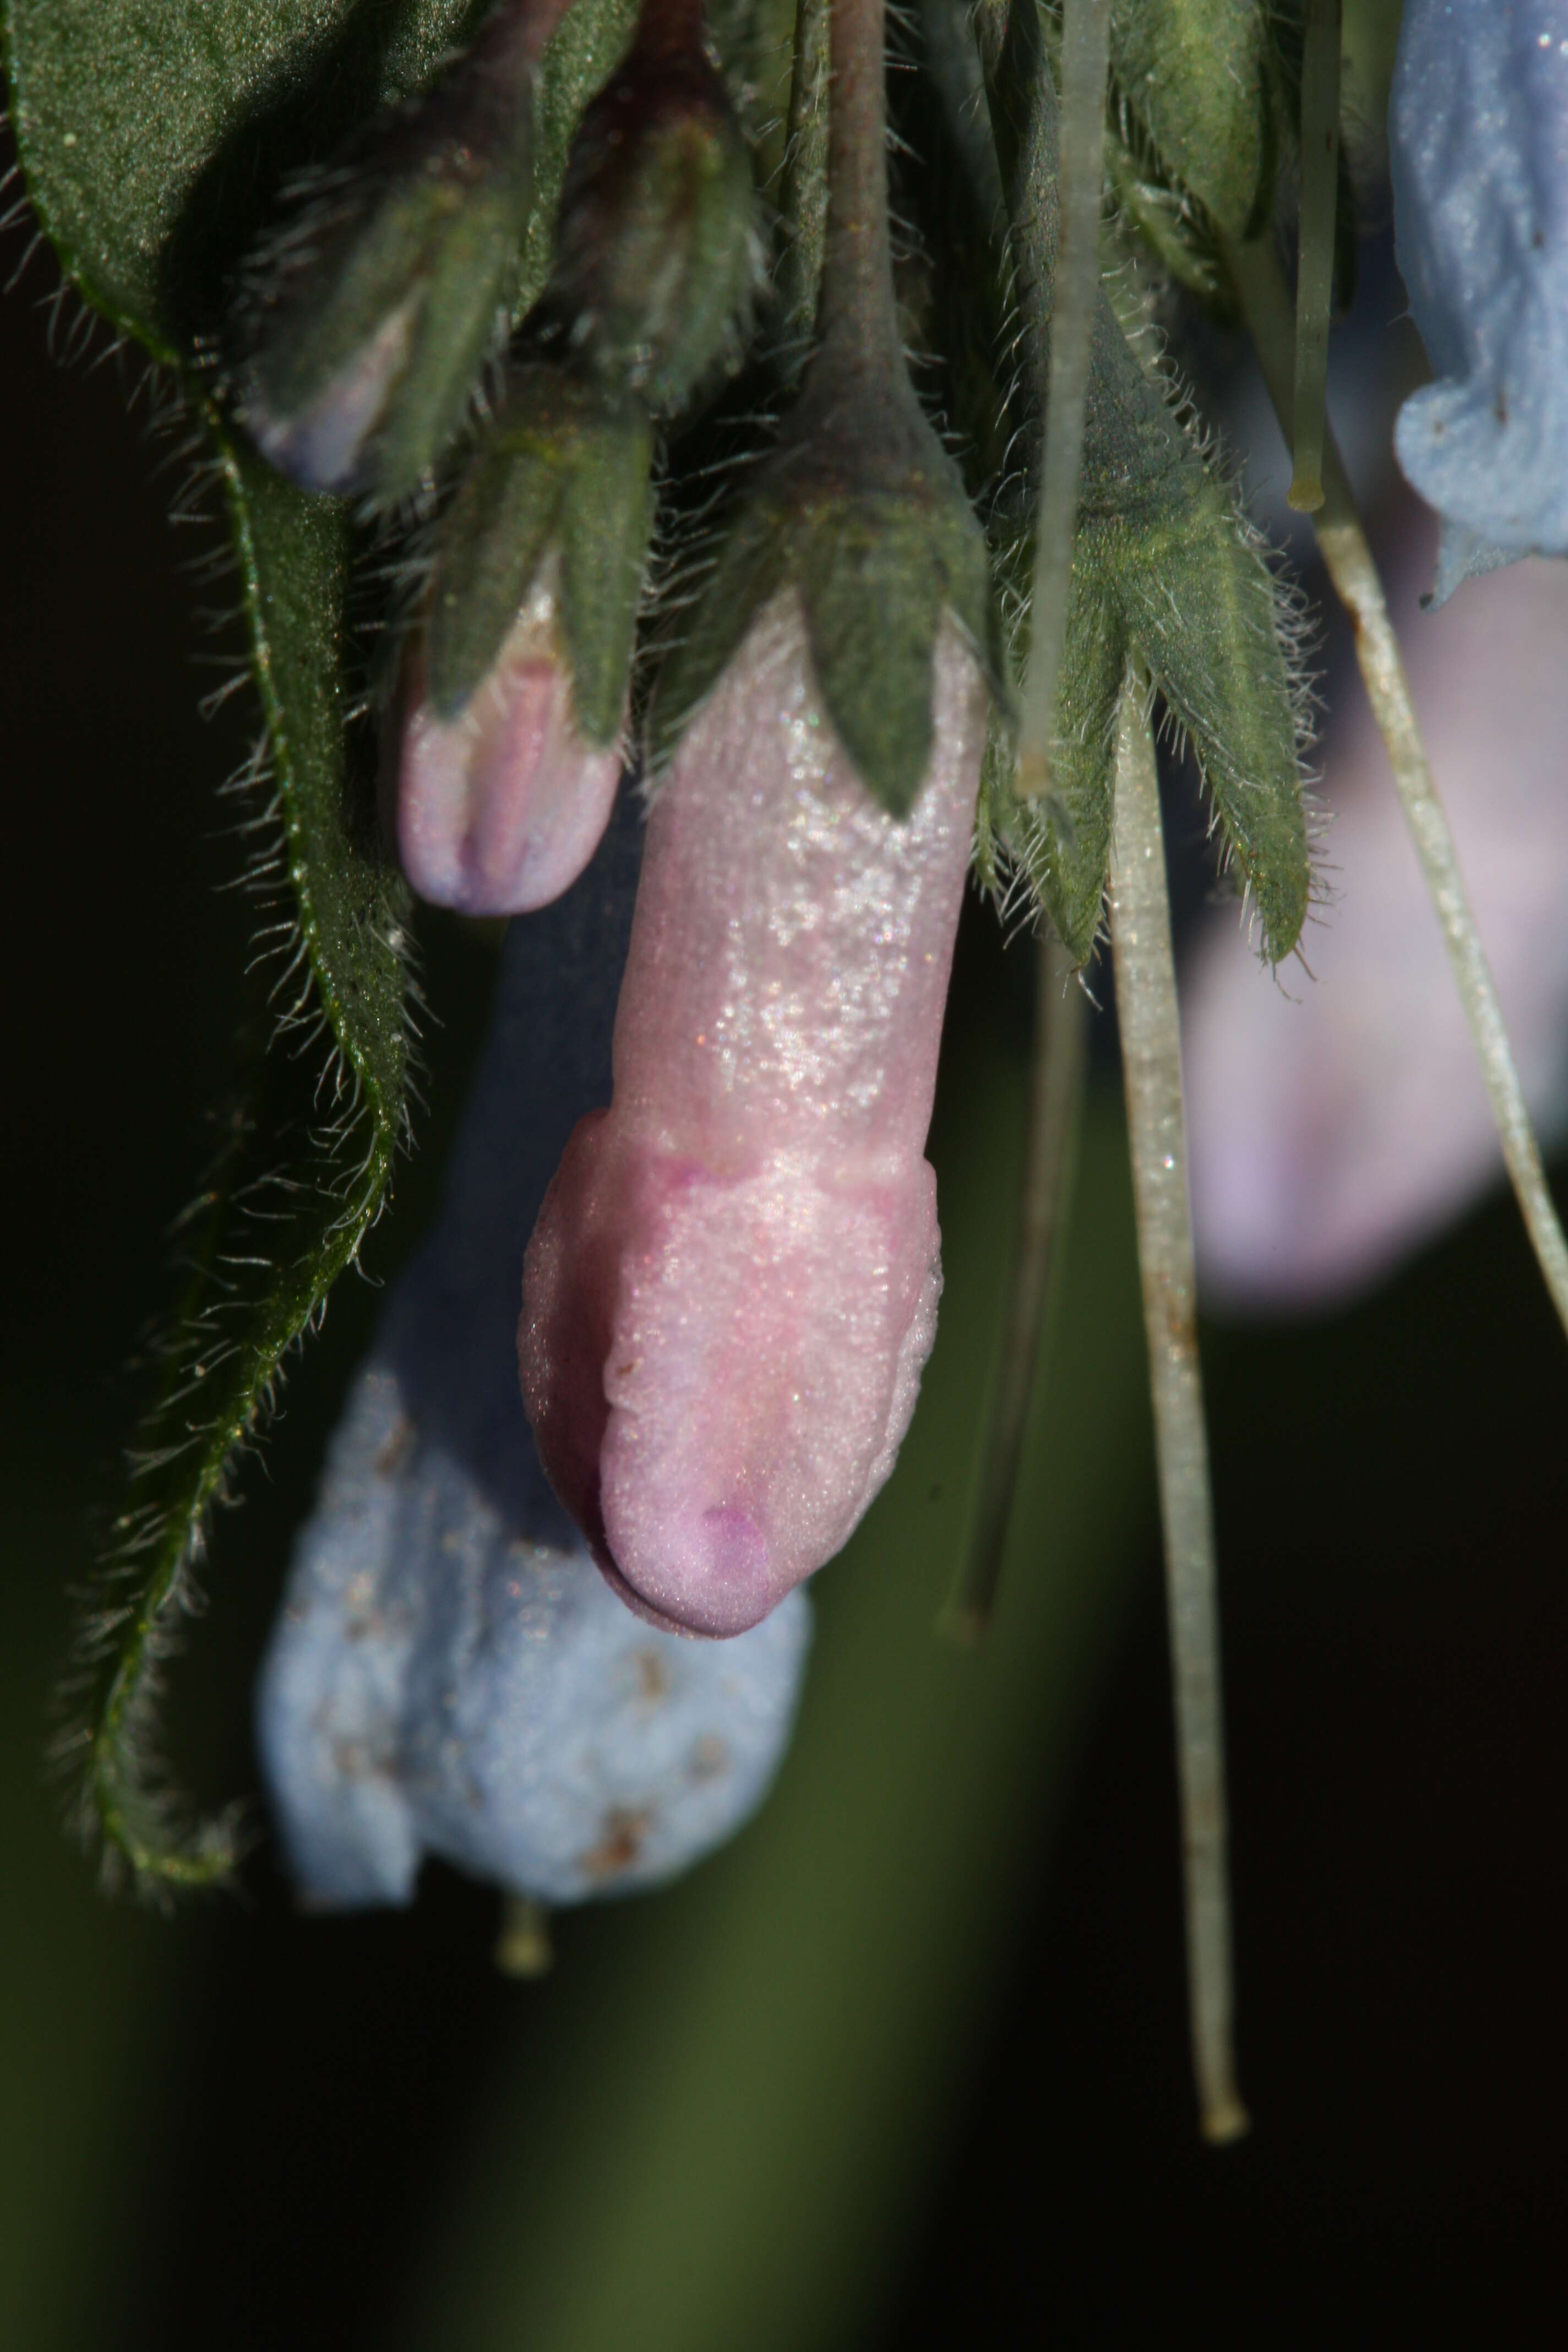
<point>732,1289</point>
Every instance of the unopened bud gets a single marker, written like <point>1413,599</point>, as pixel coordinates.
<point>657,247</point>
<point>732,1289</point>
<point>515,693</point>
<point>500,809</point>
<point>368,315</point>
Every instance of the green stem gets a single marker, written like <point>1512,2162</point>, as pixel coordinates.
<point>1152,1070</point>
<point>803,209</point>
<point>1086,34</point>
<point>857,314</point>
<point>1265,304</point>
<point>1315,262</point>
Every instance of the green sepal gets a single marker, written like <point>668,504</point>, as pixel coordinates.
<point>1204,616</point>
<point>1176,231</point>
<point>492,541</point>
<point>879,542</point>
<point>657,241</point>
<point>470,277</point>
<point>1199,75</point>
<point>607,524</point>
<point>1062,842</point>
<point>750,567</point>
<point>560,470</point>
<point>875,573</point>
<point>1164,569</point>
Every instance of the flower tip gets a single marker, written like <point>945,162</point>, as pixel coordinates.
<point>321,446</point>
<point>500,806</point>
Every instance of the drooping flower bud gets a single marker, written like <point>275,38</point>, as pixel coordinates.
<point>1478,147</point>
<point>368,315</point>
<point>515,689</point>
<point>656,249</point>
<point>732,1289</point>
<point>450,1675</point>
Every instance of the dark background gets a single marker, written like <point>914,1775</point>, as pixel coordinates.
<point>274,2101</point>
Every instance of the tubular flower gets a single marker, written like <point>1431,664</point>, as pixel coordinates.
<point>449,1676</point>
<point>1478,141</point>
<point>732,1289</point>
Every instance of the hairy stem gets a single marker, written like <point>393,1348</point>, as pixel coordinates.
<point>1086,34</point>
<point>1055,1097</point>
<point>1315,262</point>
<point>856,314</point>
<point>1151,1068</point>
<point>1265,305</point>
<point>803,209</point>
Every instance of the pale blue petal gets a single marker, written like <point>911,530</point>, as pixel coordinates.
<point>451,1673</point>
<point>1479,140</point>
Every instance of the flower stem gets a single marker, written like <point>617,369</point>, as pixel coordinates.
<point>1055,1097</point>
<point>856,311</point>
<point>1086,34</point>
<point>523,1947</point>
<point>1265,304</point>
<point>803,206</point>
<point>1315,260</point>
<point>1152,1070</point>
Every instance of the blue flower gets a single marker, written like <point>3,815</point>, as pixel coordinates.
<point>1478,133</point>
<point>451,1673</point>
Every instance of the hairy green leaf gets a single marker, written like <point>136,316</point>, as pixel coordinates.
<point>154,136</point>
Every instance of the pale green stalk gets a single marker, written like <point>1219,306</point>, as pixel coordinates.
<point>1315,262</point>
<point>1151,1069</point>
<point>1086,35</point>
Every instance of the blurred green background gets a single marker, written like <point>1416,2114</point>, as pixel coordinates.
<point>906,2065</point>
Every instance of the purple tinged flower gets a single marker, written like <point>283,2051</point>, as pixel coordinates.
<point>1478,139</point>
<point>500,807</point>
<point>1336,1127</point>
<point>732,1289</point>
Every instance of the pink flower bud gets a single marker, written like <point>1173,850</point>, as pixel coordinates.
<point>501,807</point>
<point>732,1289</point>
